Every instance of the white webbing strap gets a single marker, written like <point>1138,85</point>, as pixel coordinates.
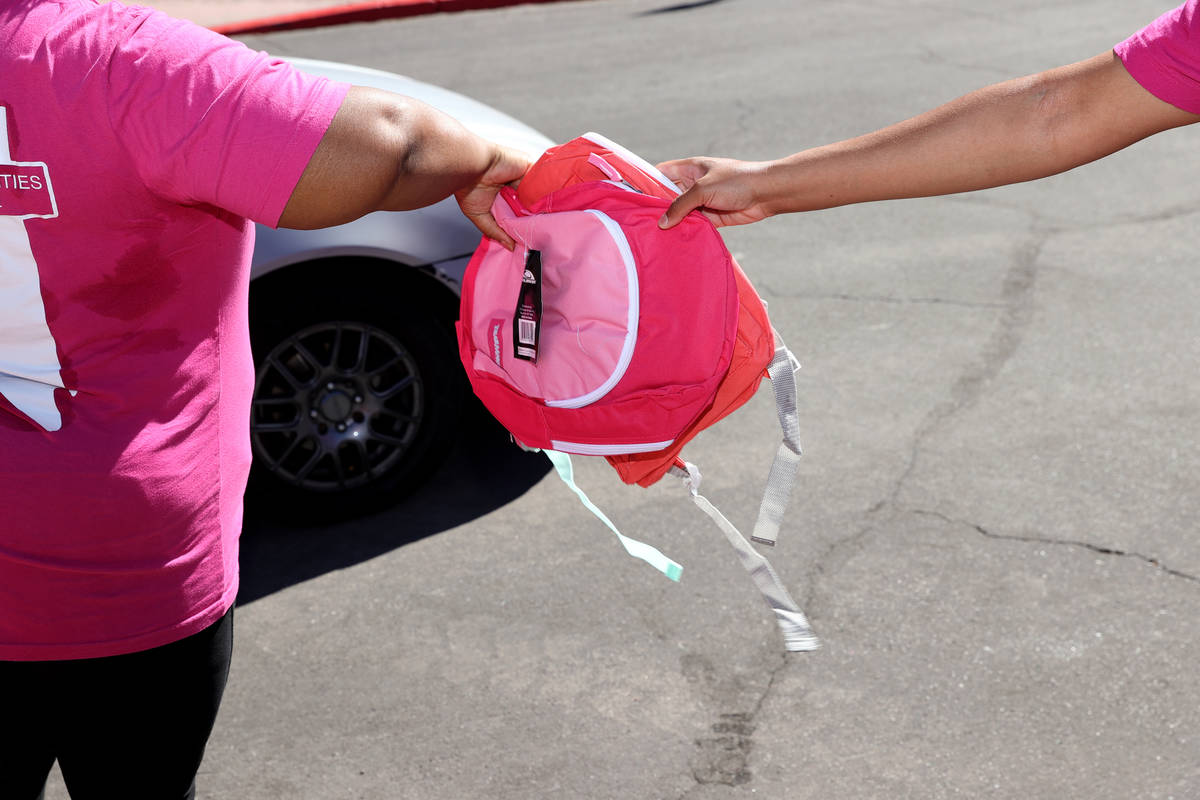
<point>778,491</point>
<point>562,465</point>
<point>797,634</point>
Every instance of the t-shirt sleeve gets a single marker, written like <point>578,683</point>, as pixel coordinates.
<point>1164,57</point>
<point>207,120</point>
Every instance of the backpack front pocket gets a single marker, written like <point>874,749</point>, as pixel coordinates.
<point>587,328</point>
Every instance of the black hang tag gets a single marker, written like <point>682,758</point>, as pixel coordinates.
<point>527,321</point>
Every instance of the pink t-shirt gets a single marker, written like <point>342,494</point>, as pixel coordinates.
<point>135,149</point>
<point>1164,57</point>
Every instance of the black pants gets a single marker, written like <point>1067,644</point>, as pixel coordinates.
<point>131,726</point>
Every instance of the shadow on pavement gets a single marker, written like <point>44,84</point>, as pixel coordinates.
<point>485,471</point>
<point>688,6</point>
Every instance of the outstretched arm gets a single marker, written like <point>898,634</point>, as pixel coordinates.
<point>385,152</point>
<point>1014,131</point>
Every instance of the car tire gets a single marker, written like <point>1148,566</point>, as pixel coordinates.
<point>358,394</point>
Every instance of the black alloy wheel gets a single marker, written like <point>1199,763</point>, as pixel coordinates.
<point>354,404</point>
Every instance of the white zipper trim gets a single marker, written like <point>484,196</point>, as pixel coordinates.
<point>633,158</point>
<point>608,449</point>
<point>631,320</point>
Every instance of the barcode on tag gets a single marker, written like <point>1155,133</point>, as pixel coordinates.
<point>526,331</point>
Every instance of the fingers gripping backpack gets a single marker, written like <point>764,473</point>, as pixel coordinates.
<point>602,335</point>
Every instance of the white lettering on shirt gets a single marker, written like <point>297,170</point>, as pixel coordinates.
<point>29,367</point>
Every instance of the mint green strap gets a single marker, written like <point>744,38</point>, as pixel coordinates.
<point>562,464</point>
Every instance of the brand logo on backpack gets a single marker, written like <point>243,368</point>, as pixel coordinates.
<point>494,329</point>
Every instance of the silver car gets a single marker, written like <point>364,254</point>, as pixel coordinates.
<point>359,390</point>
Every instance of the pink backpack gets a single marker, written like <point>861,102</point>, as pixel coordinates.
<point>601,334</point>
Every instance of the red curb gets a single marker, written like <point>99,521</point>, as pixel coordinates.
<point>360,12</point>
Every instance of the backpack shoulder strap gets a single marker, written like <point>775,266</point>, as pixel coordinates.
<point>797,633</point>
<point>782,371</point>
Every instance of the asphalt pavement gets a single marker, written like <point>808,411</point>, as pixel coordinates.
<point>995,526</point>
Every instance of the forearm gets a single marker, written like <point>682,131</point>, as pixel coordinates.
<point>1014,131</point>
<point>990,137</point>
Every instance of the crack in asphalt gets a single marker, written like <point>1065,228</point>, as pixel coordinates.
<point>1016,296</point>
<point>1017,311</point>
<point>881,298</point>
<point>1046,223</point>
<point>722,756</point>
<point>1095,548</point>
<point>1006,337</point>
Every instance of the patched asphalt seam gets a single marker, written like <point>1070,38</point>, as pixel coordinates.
<point>723,755</point>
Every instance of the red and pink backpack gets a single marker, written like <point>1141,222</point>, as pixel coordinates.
<point>601,334</point>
